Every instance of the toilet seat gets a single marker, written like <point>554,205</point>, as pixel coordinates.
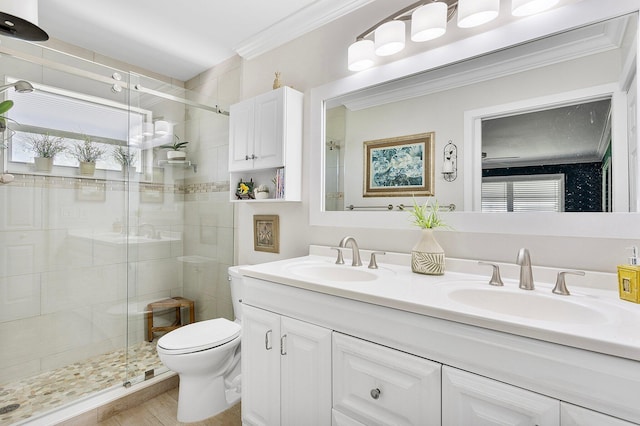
<point>199,336</point>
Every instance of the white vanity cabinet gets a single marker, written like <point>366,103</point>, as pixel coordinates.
<point>265,134</point>
<point>390,366</point>
<point>470,399</point>
<point>376,385</point>
<point>286,366</point>
<point>572,415</point>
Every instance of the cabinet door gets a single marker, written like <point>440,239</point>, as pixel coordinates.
<point>269,125</point>
<point>376,385</point>
<point>260,367</point>
<point>572,415</point>
<point>469,399</point>
<point>241,135</point>
<point>306,374</point>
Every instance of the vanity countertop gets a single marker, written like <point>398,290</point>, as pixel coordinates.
<point>590,318</point>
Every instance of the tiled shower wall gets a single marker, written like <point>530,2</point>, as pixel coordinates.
<point>63,293</point>
<point>209,216</point>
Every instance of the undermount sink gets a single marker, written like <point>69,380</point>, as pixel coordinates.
<point>527,304</point>
<point>332,272</point>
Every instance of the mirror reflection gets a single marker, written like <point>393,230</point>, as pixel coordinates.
<point>543,118</point>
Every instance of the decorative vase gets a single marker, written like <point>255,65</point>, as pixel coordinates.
<point>276,82</point>
<point>176,155</point>
<point>427,257</point>
<point>43,164</point>
<point>261,195</point>
<point>87,169</point>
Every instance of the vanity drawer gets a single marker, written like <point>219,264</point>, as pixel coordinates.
<point>376,385</point>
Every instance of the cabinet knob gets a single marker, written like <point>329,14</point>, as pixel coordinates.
<point>246,157</point>
<point>375,393</point>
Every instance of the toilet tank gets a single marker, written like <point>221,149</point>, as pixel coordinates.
<point>235,282</point>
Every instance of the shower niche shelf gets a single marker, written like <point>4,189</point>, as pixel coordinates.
<point>187,164</point>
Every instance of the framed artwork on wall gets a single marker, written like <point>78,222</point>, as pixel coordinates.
<point>400,166</point>
<point>266,233</point>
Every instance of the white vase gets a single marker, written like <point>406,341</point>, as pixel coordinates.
<point>427,256</point>
<point>43,164</point>
<point>87,169</point>
<point>176,155</point>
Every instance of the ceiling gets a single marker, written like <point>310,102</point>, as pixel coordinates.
<point>183,39</point>
<point>569,134</point>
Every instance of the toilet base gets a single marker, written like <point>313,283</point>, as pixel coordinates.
<point>202,397</point>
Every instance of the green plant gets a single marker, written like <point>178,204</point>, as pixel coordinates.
<point>46,146</point>
<point>88,151</point>
<point>4,107</point>
<point>176,145</point>
<point>426,216</point>
<point>124,156</point>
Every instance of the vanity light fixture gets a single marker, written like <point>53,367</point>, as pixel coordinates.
<point>472,13</point>
<point>531,7</point>
<point>450,163</point>
<point>147,129</point>
<point>389,38</point>
<point>162,127</point>
<point>429,21</point>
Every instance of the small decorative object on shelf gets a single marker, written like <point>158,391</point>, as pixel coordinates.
<point>87,153</point>
<point>278,182</point>
<point>175,148</point>
<point>277,83</point>
<point>244,190</point>
<point>261,192</point>
<point>46,147</point>
<point>427,256</point>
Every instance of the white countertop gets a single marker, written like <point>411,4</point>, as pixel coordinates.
<point>590,318</point>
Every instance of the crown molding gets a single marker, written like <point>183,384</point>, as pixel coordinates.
<point>308,19</point>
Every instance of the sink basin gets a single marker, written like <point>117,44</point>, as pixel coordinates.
<point>331,272</point>
<point>527,304</point>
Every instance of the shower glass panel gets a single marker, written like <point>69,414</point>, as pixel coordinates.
<point>82,256</point>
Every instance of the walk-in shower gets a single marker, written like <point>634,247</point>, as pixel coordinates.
<point>78,261</point>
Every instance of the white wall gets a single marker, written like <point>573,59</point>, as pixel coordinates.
<point>320,57</point>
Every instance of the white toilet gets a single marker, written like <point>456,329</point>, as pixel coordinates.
<point>206,356</point>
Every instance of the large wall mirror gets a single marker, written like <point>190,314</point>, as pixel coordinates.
<point>546,125</point>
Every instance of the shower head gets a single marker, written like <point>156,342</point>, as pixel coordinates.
<point>21,86</point>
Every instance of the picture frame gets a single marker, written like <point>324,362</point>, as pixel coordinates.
<point>266,233</point>
<point>400,166</point>
<point>91,192</point>
<point>151,193</point>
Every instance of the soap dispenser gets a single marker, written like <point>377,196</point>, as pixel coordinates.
<point>629,278</point>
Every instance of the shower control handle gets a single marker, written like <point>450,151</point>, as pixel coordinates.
<point>267,340</point>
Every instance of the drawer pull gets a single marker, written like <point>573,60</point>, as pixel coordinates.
<point>375,393</point>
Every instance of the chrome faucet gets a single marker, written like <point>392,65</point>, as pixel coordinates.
<point>151,233</point>
<point>354,249</point>
<point>526,275</point>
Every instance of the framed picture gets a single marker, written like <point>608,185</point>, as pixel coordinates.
<point>91,192</point>
<point>400,167</point>
<point>266,233</point>
<point>151,193</point>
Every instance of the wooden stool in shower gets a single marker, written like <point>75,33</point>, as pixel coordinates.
<point>174,302</point>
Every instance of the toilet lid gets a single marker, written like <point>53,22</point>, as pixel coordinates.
<point>200,336</point>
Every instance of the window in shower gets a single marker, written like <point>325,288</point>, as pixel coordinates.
<point>71,116</point>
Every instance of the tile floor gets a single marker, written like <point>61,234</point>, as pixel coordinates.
<point>161,411</point>
<point>52,389</point>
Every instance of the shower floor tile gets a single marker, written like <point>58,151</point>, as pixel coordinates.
<point>53,389</point>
